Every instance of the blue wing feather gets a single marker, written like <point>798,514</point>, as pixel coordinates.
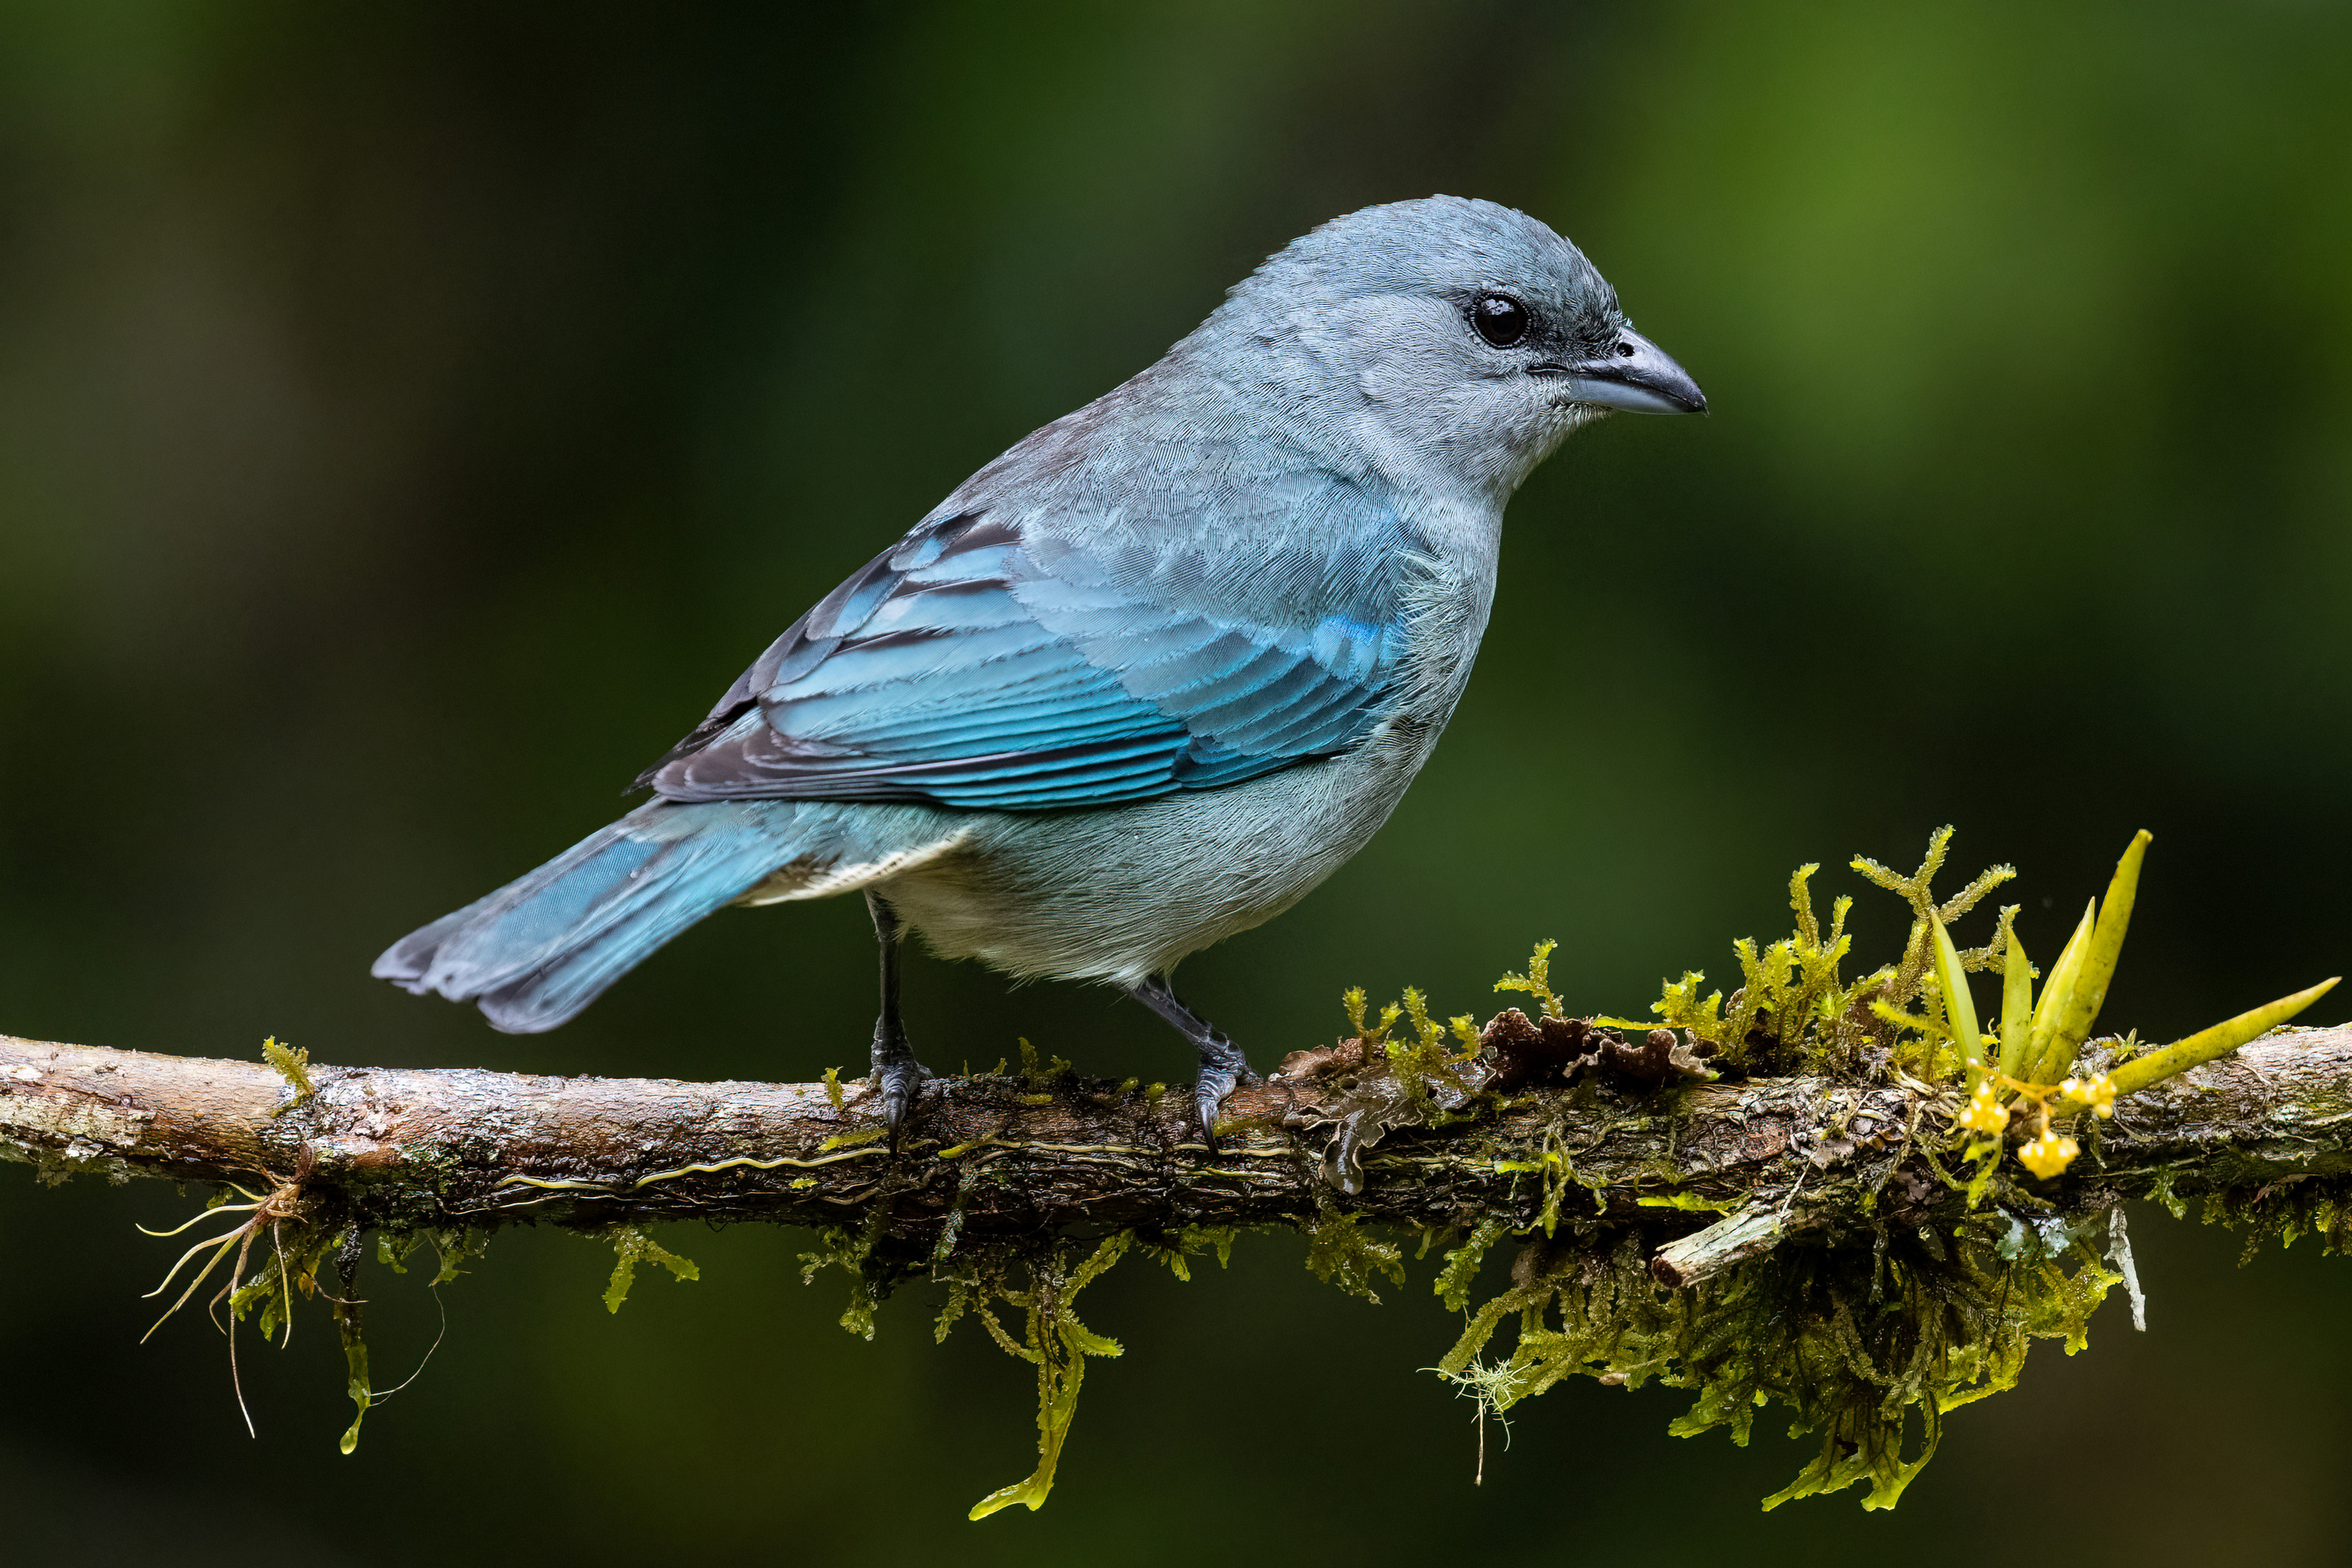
<point>971,665</point>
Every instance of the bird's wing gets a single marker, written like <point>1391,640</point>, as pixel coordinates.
<point>977,664</point>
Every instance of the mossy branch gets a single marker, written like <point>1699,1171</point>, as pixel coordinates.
<point>1903,1211</point>
<point>993,1158</point>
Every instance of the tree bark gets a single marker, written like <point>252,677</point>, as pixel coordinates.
<point>1008,1156</point>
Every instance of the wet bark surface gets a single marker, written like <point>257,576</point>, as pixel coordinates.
<point>405,1150</point>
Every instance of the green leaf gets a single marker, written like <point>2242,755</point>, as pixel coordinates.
<point>2219,1040</point>
<point>2090,988</point>
<point>2057,993</point>
<point>1959,1007</point>
<point>2016,1009</point>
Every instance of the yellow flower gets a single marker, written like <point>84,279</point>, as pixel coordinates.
<point>2048,1154</point>
<point>2097,1092</point>
<point>1984,1113</point>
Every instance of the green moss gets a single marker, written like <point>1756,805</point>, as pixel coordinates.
<point>347,1307</point>
<point>294,1067</point>
<point>1340,1253</point>
<point>1537,981</point>
<point>452,1249</point>
<point>1557,1170</point>
<point>1689,1201</point>
<point>1867,1348</point>
<point>1461,1265</point>
<point>2288,1209</point>
<point>1052,1339</point>
<point>1038,1074</point>
<point>285,1262</point>
<point>838,1246</point>
<point>631,1247</point>
<point>1174,1252</point>
<point>1795,1012</point>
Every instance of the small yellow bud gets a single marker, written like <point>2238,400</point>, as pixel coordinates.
<point>2097,1092</point>
<point>2049,1154</point>
<point>1984,1113</point>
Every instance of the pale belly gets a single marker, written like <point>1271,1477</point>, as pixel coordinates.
<point>1121,894</point>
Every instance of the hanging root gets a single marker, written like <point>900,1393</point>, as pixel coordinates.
<point>269,1212</point>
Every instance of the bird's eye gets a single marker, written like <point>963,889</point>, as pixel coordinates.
<point>1500,320</point>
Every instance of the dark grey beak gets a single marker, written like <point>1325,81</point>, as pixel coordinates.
<point>1636,376</point>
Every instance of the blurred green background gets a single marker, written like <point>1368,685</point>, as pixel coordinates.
<point>412,416</point>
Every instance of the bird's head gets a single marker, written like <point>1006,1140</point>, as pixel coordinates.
<point>1444,339</point>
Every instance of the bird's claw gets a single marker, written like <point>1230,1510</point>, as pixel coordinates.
<point>1223,1067</point>
<point>900,1082</point>
<point>1210,1091</point>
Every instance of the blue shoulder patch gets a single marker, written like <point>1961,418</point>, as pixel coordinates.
<point>964,667</point>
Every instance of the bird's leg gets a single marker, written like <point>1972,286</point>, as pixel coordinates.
<point>1223,1067</point>
<point>896,1073</point>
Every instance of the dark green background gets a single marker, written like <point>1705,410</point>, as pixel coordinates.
<point>412,416</point>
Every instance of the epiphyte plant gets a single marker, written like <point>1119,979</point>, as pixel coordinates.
<point>2028,1068</point>
<point>1865,1327</point>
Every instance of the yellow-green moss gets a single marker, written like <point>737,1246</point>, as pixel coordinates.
<point>631,1247</point>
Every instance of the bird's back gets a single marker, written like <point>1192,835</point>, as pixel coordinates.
<point>1126,604</point>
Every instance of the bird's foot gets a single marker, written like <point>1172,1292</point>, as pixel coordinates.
<point>1222,1070</point>
<point>899,1078</point>
<point>1223,1067</point>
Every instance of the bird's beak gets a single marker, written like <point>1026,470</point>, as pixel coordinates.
<point>1636,376</point>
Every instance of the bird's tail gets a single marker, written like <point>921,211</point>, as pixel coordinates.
<point>541,948</point>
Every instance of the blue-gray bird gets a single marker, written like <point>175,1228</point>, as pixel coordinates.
<point>1144,680</point>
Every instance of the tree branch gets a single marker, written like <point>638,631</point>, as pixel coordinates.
<point>1012,1156</point>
